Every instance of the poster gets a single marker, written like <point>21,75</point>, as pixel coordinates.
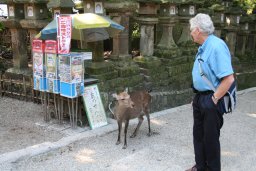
<point>51,65</point>
<point>94,108</point>
<point>39,71</point>
<point>37,83</point>
<point>76,69</point>
<point>65,68</point>
<point>64,33</point>
<point>38,64</point>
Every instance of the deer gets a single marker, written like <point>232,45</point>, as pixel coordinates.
<point>130,106</point>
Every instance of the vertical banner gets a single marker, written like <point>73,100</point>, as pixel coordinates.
<point>64,24</point>
<point>39,73</point>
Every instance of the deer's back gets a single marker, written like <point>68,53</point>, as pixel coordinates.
<point>141,101</point>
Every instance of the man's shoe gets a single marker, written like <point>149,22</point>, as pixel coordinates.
<point>192,168</point>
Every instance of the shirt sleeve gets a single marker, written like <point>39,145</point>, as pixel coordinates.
<point>221,61</point>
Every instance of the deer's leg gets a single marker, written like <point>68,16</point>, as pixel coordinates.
<point>125,133</point>
<point>119,122</point>
<point>148,118</point>
<point>138,126</point>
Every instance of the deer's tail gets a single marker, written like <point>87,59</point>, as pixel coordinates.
<point>109,107</point>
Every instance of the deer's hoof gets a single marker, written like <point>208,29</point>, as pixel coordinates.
<point>133,135</point>
<point>149,134</point>
<point>125,146</point>
<point>118,142</point>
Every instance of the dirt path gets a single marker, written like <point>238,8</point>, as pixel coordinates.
<point>20,125</point>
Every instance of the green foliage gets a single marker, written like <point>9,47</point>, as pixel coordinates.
<point>135,31</point>
<point>1,26</point>
<point>120,0</point>
<point>207,4</point>
<point>247,5</point>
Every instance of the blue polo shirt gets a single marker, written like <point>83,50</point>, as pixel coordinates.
<point>216,63</point>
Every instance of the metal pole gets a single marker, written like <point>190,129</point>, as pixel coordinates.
<point>73,115</point>
<point>76,111</point>
<point>70,117</point>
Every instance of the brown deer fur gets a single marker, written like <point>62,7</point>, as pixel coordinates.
<point>130,106</point>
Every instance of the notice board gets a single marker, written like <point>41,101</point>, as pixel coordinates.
<point>94,108</point>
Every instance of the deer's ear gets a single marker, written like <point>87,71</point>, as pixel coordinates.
<point>126,90</point>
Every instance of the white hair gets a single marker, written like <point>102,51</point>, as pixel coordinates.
<point>203,22</point>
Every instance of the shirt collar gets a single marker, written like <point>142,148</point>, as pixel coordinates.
<point>202,47</point>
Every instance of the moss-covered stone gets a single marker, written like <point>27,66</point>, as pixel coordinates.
<point>106,76</point>
<point>167,53</point>
<point>128,71</point>
<point>147,62</point>
<point>246,80</point>
<point>179,69</point>
<point>60,3</point>
<point>97,68</point>
<point>30,1</point>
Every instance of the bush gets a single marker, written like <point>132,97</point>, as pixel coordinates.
<point>1,26</point>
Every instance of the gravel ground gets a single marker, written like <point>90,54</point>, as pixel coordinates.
<point>19,126</point>
<point>170,148</point>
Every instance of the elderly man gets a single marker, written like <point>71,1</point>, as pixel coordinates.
<point>215,59</point>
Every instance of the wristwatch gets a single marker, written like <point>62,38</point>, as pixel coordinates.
<point>215,99</point>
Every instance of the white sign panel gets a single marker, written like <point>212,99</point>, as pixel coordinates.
<point>98,8</point>
<point>191,10</point>
<point>56,13</point>
<point>94,108</point>
<point>172,10</point>
<point>87,55</point>
<point>30,11</point>
<point>11,11</point>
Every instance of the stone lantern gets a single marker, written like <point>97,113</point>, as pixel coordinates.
<point>18,35</point>
<point>61,6</point>
<point>36,13</point>
<point>34,10</point>
<point>98,68</point>
<point>167,18</point>
<point>218,18</point>
<point>147,19</point>
<point>187,9</point>
<point>121,12</point>
<point>97,7</point>
<point>253,31</point>
<point>242,36</point>
<point>251,41</point>
<point>233,15</point>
